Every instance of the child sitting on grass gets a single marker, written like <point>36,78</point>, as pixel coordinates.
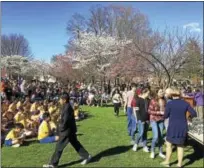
<point>27,104</point>
<point>13,107</point>
<point>19,104</point>
<point>46,130</point>
<point>9,118</point>
<point>23,118</point>
<point>34,106</point>
<point>76,110</point>
<point>14,138</point>
<point>4,106</point>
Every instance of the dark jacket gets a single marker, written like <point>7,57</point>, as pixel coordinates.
<point>142,112</point>
<point>67,123</point>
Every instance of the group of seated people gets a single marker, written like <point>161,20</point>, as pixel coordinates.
<point>22,119</point>
<point>97,99</point>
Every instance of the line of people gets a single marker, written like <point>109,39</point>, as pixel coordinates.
<point>159,110</point>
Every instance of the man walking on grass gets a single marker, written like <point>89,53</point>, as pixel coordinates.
<point>131,118</point>
<point>67,133</point>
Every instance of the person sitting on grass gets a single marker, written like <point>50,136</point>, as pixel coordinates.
<point>9,118</point>
<point>104,99</point>
<point>76,109</point>
<point>14,138</point>
<point>4,106</point>
<point>27,104</point>
<point>77,114</point>
<point>12,106</point>
<point>23,118</point>
<point>34,106</point>
<point>90,100</point>
<point>46,130</point>
<point>19,104</point>
<point>52,107</point>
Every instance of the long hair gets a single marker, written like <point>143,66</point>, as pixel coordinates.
<point>154,95</point>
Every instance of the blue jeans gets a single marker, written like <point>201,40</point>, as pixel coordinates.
<point>8,142</point>
<point>132,121</point>
<point>158,136</point>
<point>142,133</point>
<point>49,139</point>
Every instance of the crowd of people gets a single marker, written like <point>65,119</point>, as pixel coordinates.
<point>33,109</point>
<point>160,109</point>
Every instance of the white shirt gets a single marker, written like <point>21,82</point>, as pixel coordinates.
<point>91,96</point>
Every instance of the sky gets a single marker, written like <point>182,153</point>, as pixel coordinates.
<point>43,24</point>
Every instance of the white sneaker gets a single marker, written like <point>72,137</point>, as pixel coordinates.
<point>152,155</point>
<point>134,148</point>
<point>146,149</point>
<point>48,166</point>
<point>84,162</point>
<point>162,156</point>
<point>16,145</point>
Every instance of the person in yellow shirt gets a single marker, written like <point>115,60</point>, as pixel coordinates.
<point>52,108</point>
<point>27,104</point>
<point>45,103</point>
<point>76,110</point>
<point>14,137</point>
<point>55,116</point>
<point>45,131</point>
<point>19,104</point>
<point>12,107</point>
<point>22,118</point>
<point>4,106</point>
<point>34,107</point>
<point>9,116</point>
<point>41,108</point>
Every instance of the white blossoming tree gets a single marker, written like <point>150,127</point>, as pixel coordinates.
<point>19,65</point>
<point>15,64</point>
<point>98,51</point>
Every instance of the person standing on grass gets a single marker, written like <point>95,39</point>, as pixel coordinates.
<point>198,98</point>
<point>117,100</point>
<point>141,113</point>
<point>177,130</point>
<point>130,116</point>
<point>67,133</point>
<point>156,111</point>
<point>124,94</point>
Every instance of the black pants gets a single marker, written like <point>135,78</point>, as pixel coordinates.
<point>62,143</point>
<point>116,108</point>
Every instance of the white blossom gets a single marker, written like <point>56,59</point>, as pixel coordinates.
<point>100,51</point>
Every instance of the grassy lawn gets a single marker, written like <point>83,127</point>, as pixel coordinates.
<point>105,137</point>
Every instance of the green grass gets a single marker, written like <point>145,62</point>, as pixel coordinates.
<point>105,137</point>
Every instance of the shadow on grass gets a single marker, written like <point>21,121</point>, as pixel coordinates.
<point>86,116</point>
<point>107,105</point>
<point>30,142</point>
<point>109,152</point>
<point>196,155</point>
<point>122,115</point>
